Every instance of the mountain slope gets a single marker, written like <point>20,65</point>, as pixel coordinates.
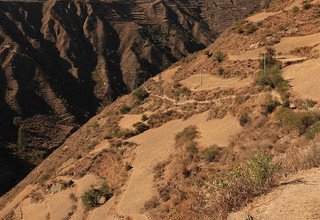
<point>62,61</point>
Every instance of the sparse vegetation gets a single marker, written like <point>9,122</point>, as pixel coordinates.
<point>306,5</point>
<point>140,127</point>
<point>303,122</point>
<point>124,109</point>
<point>91,197</point>
<point>270,105</point>
<point>295,9</point>
<point>244,119</point>
<point>144,117</point>
<point>210,154</point>
<point>140,94</point>
<point>219,56</point>
<point>246,28</point>
<point>186,136</point>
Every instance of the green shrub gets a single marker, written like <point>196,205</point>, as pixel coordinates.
<point>180,91</point>
<point>91,197</point>
<point>261,168</point>
<point>140,94</point>
<point>124,133</point>
<point>270,105</point>
<point>295,9</point>
<point>187,135</point>
<point>244,119</point>
<point>140,127</point>
<point>144,117</point>
<point>219,56</point>
<point>300,121</point>
<point>245,29</point>
<point>210,154</point>
<point>312,131</point>
<point>22,137</point>
<point>124,109</point>
<point>128,167</point>
<point>192,147</point>
<point>269,59</point>
<point>273,77</point>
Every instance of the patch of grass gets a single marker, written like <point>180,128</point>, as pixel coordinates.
<point>210,154</point>
<point>312,131</point>
<point>91,197</point>
<point>187,135</point>
<point>260,168</point>
<point>300,121</point>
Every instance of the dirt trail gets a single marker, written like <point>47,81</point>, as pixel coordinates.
<point>200,82</point>
<point>297,198</point>
<point>156,145</point>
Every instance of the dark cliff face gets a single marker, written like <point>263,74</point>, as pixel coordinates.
<point>62,60</point>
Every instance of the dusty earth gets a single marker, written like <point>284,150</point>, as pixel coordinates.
<point>151,176</point>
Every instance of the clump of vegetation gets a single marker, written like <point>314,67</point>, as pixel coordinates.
<point>152,203</point>
<point>180,91</point>
<point>128,166</point>
<point>295,9</point>
<point>246,29</point>
<point>192,147</point>
<point>91,197</point>
<point>244,119</point>
<point>140,94</point>
<point>187,135</point>
<point>210,154</point>
<point>271,74</point>
<point>124,109</point>
<point>310,103</point>
<point>221,71</point>
<point>269,59</point>
<point>261,168</point>
<point>246,180</point>
<point>124,133</point>
<point>219,56</point>
<point>306,5</point>
<point>304,122</point>
<point>270,105</point>
<point>140,127</point>
<point>144,117</point>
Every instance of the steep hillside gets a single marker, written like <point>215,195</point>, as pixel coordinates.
<point>61,61</point>
<point>224,129</point>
